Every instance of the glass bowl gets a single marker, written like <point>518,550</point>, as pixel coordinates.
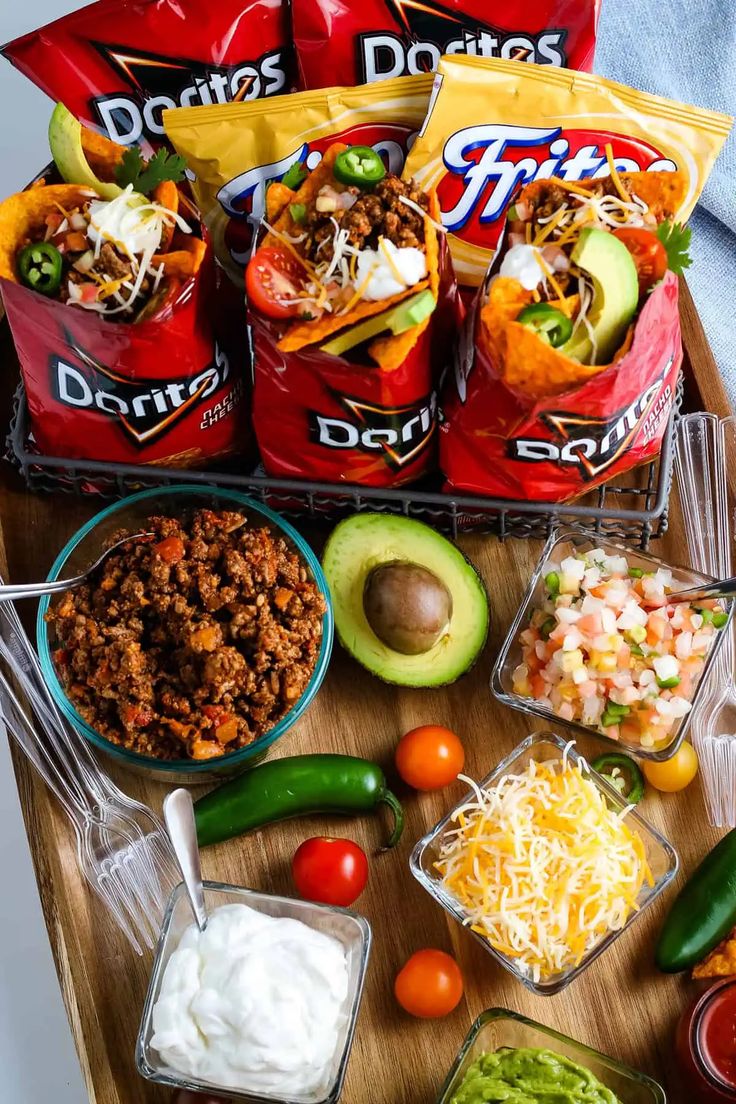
<point>541,746</point>
<point>559,545</point>
<point>348,928</point>
<point>85,546</point>
<point>498,1028</point>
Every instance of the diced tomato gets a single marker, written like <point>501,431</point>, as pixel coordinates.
<point>75,241</point>
<point>88,293</point>
<point>170,550</point>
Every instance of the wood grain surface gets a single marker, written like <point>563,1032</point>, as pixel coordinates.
<point>620,1005</point>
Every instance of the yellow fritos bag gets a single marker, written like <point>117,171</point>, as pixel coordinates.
<point>237,149</point>
<point>493,125</point>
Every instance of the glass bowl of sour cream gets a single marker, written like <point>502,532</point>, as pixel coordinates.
<point>262,1005</point>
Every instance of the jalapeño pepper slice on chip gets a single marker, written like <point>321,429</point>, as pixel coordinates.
<point>623,774</point>
<point>40,267</point>
<point>548,322</point>
<point>359,165</point>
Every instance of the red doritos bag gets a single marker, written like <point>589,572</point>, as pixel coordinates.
<point>117,64</point>
<point>338,43</point>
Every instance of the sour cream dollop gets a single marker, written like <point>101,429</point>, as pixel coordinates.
<point>254,1002</point>
<point>521,264</point>
<point>385,264</point>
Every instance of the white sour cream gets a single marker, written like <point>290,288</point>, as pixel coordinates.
<point>521,264</point>
<point>407,262</point>
<point>254,1002</point>
<point>129,221</point>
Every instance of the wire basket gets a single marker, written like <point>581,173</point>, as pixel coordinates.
<point>633,511</point>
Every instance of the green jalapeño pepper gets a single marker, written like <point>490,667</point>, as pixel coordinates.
<point>548,322</point>
<point>359,165</point>
<point>295,786</point>
<point>623,774</point>
<point>40,267</point>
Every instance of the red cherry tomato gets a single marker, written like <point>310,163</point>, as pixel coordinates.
<point>649,255</point>
<point>429,985</point>
<point>332,871</point>
<point>273,278</point>
<point>429,757</point>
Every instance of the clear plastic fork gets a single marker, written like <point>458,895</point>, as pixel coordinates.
<point>122,847</point>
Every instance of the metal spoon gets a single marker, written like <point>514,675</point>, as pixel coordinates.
<point>10,591</point>
<point>722,588</point>
<point>179,817</point>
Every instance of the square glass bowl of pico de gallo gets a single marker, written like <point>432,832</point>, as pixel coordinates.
<point>599,647</point>
<point>544,862</point>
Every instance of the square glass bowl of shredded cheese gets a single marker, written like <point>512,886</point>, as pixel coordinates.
<point>544,863</point>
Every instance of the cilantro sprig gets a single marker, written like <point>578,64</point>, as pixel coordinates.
<point>676,240</point>
<point>146,176</point>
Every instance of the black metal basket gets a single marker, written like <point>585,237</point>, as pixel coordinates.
<point>634,512</point>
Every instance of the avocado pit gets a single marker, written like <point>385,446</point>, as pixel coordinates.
<point>407,606</point>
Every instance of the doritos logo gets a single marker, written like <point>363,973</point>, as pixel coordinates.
<point>428,29</point>
<point>157,82</point>
<point>145,409</point>
<point>486,164</point>
<point>592,445</point>
<point>400,433</point>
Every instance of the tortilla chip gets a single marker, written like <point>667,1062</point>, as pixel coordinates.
<point>389,351</point>
<point>319,176</point>
<point>23,217</point>
<point>278,196</point>
<point>663,192</point>
<point>103,155</point>
<point>720,962</point>
<point>525,362</point>
<point>183,262</point>
<point>167,195</point>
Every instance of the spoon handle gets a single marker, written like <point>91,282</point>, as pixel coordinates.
<point>179,817</point>
<point>723,588</point>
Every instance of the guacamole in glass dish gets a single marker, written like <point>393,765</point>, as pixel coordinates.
<point>525,1075</point>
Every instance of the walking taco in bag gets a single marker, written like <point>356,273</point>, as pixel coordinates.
<point>575,336</point>
<point>107,284</point>
<point>348,295</point>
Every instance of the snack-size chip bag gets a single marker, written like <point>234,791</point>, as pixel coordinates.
<point>494,125</point>
<point>351,302</point>
<point>117,64</point>
<point>112,301</point>
<point>572,352</point>
<point>239,150</point>
<point>378,39</point>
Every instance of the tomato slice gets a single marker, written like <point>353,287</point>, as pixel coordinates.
<point>649,255</point>
<point>273,281</point>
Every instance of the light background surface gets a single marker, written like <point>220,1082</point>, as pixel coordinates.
<point>32,1019</point>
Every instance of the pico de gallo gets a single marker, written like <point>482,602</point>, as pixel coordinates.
<point>606,649</point>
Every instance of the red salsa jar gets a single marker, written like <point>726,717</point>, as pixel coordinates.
<point>706,1043</point>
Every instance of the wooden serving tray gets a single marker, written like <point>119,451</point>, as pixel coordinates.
<point>621,1005</point>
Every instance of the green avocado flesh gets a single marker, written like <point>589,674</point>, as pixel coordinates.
<point>525,1075</point>
<point>362,548</point>
<point>615,296</point>
<point>410,312</point>
<point>65,140</point>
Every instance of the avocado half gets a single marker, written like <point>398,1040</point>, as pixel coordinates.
<point>361,545</point>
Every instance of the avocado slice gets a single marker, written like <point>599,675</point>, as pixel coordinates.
<point>410,312</point>
<point>360,549</point>
<point>65,139</point>
<point>615,296</point>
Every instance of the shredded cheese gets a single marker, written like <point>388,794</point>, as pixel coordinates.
<point>548,275</point>
<point>358,292</point>
<point>542,867</point>
<point>550,225</point>
<point>614,173</point>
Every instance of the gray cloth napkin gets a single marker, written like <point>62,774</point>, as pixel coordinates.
<point>686,49</point>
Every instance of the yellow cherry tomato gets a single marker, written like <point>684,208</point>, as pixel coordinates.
<point>673,774</point>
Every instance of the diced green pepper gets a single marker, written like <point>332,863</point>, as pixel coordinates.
<point>720,619</point>
<point>635,572</point>
<point>668,683</point>
<point>706,614</point>
<point>298,211</point>
<point>547,627</point>
<point>552,583</point>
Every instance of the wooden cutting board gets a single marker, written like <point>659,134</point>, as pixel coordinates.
<point>620,1005</point>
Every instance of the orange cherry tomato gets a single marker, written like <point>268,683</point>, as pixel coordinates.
<point>672,775</point>
<point>429,985</point>
<point>648,253</point>
<point>429,757</point>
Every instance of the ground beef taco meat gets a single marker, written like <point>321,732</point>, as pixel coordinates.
<point>192,644</point>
